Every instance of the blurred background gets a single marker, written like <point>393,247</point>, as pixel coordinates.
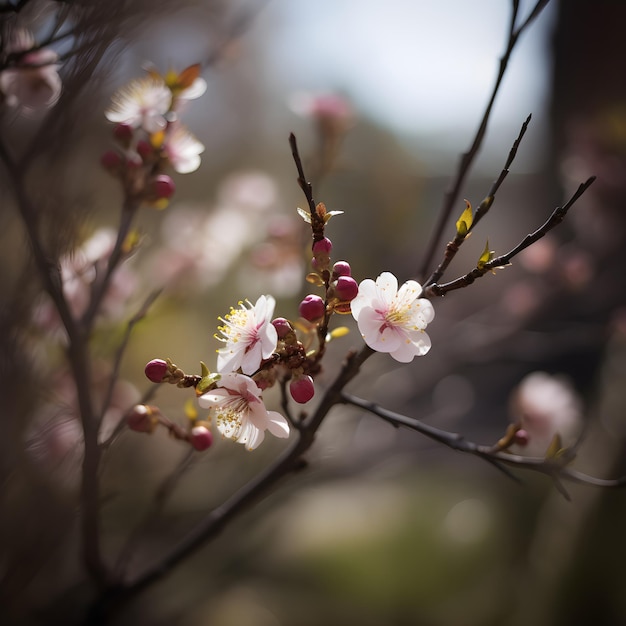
<point>384,526</point>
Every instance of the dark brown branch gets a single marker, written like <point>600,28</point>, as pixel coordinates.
<point>436,290</point>
<point>554,468</point>
<point>451,196</point>
<point>306,186</point>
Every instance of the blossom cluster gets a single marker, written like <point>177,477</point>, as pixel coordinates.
<point>258,350</point>
<point>150,135</point>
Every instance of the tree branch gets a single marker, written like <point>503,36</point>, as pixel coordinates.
<point>451,196</point>
<point>558,215</point>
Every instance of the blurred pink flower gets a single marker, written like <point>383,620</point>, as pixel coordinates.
<point>545,406</point>
<point>393,320</point>
<point>240,412</point>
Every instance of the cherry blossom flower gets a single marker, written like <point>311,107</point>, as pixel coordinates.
<point>248,335</point>
<point>183,149</point>
<point>33,83</point>
<point>141,103</point>
<point>545,406</point>
<point>240,413</point>
<point>393,320</point>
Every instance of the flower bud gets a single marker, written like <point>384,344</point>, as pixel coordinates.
<point>110,160</point>
<point>163,186</point>
<point>346,288</point>
<point>302,389</point>
<point>123,133</point>
<point>156,370</point>
<point>341,268</point>
<point>200,438</point>
<point>142,419</point>
<point>283,327</point>
<point>322,247</point>
<point>312,308</point>
<point>144,149</point>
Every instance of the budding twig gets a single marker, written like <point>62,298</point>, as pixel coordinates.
<point>554,468</point>
<point>467,159</point>
<point>502,261</point>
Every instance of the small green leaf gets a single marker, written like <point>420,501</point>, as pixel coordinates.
<point>485,257</point>
<point>464,223</point>
<point>207,381</point>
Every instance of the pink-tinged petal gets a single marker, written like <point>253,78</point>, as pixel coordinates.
<point>269,339</point>
<point>375,334</point>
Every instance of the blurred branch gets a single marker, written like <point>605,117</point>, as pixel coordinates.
<point>467,159</point>
<point>161,496</point>
<point>554,468</point>
<point>80,363</point>
<point>502,261</point>
<point>119,355</point>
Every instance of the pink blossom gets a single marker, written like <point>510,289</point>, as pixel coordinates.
<point>240,413</point>
<point>393,320</point>
<point>248,335</point>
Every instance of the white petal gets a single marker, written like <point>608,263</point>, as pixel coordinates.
<point>387,285</point>
<point>277,424</point>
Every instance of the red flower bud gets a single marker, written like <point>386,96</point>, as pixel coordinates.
<point>156,370</point>
<point>283,327</point>
<point>341,268</point>
<point>346,288</point>
<point>312,308</point>
<point>123,133</point>
<point>302,389</point>
<point>110,160</point>
<point>142,419</point>
<point>201,438</point>
<point>144,149</point>
<point>322,247</point>
<point>163,186</point>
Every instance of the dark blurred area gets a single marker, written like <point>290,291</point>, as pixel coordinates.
<point>383,526</point>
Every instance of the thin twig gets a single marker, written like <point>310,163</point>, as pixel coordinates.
<point>436,290</point>
<point>554,468</point>
<point>453,246</point>
<point>119,355</point>
<point>451,196</point>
